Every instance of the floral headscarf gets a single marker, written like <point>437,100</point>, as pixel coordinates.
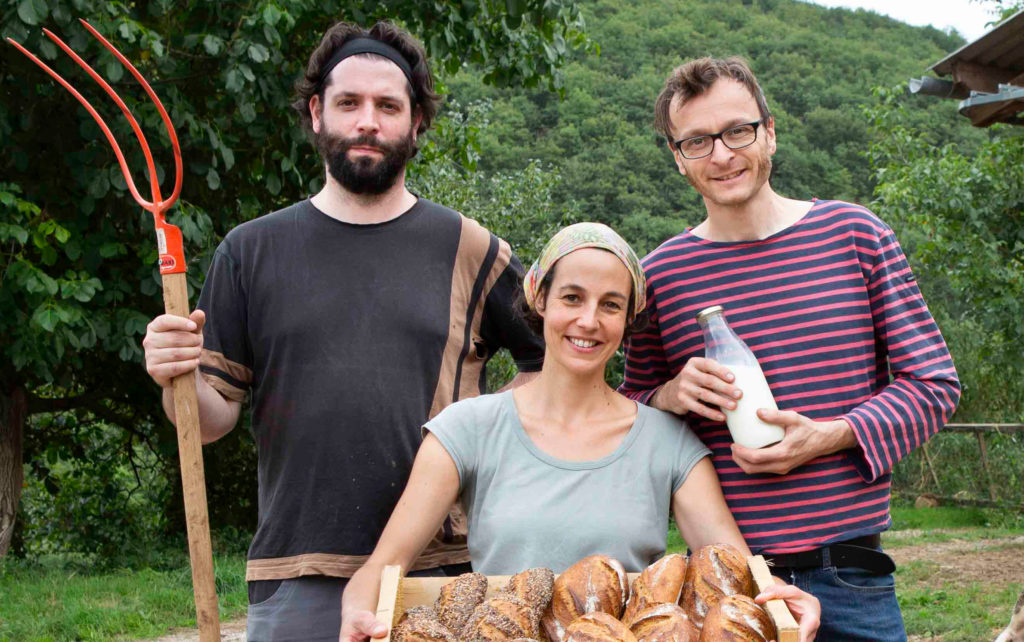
<point>578,236</point>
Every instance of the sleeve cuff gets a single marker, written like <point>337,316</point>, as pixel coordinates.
<point>867,467</point>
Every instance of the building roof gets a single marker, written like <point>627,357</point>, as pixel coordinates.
<point>988,74</point>
<point>1002,47</point>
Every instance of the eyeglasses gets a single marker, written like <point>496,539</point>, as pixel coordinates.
<point>736,137</point>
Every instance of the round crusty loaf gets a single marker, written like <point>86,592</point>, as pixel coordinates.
<point>595,583</point>
<point>715,571</point>
<point>534,587</point>
<point>660,582</point>
<point>458,599</point>
<point>419,624</point>
<point>597,627</point>
<point>664,622</point>
<point>737,618</point>
<point>503,617</point>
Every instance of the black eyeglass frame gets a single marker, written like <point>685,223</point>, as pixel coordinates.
<point>677,144</point>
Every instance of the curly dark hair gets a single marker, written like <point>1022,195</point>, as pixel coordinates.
<point>421,90</point>
<point>535,321</point>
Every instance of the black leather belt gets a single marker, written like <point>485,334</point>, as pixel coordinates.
<point>860,552</point>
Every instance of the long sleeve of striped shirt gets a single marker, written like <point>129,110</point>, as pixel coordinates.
<point>831,310</point>
<point>924,390</point>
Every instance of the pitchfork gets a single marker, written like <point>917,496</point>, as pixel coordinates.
<point>172,271</point>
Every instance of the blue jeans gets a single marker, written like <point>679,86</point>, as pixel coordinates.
<point>855,604</point>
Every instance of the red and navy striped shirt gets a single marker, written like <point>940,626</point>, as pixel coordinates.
<point>830,308</point>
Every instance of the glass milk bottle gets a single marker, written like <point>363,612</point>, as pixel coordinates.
<point>725,347</point>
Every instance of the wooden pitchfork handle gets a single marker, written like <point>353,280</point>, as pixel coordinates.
<point>172,270</point>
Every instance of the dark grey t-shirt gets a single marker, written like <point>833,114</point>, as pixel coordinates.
<point>527,508</point>
<point>349,338</point>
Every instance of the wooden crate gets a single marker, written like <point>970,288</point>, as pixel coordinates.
<point>399,593</point>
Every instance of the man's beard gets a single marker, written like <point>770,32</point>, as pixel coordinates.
<point>365,175</point>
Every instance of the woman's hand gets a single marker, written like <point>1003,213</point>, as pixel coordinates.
<point>804,607</point>
<point>359,626</point>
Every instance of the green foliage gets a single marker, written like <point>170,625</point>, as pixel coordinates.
<point>956,460</point>
<point>816,65</point>
<point>959,211</point>
<point>79,278</point>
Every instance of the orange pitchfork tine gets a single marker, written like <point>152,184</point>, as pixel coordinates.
<point>172,271</point>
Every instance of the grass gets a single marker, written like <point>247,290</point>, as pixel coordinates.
<point>62,599</point>
<point>937,605</point>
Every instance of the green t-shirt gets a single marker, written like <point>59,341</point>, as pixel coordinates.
<point>528,509</point>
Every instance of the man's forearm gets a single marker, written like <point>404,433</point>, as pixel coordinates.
<point>217,415</point>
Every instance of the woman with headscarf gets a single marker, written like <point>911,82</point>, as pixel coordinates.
<point>564,466</point>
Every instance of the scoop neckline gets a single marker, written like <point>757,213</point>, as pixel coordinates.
<point>592,464</point>
<point>815,203</point>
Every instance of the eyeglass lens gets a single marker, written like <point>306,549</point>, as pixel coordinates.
<point>734,138</point>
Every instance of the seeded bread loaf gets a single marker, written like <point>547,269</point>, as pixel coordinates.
<point>503,617</point>
<point>420,624</point>
<point>533,586</point>
<point>458,599</point>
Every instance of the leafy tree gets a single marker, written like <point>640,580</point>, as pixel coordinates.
<point>817,67</point>
<point>79,281</point>
<point>960,214</point>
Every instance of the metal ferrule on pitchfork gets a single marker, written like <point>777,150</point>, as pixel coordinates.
<point>172,270</point>
<point>172,255</point>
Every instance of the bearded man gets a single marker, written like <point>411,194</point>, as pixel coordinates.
<point>349,319</point>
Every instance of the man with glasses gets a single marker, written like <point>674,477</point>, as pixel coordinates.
<point>822,293</point>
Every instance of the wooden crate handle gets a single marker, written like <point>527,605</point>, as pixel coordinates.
<point>389,600</point>
<point>785,624</point>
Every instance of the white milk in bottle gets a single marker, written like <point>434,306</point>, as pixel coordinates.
<point>724,346</point>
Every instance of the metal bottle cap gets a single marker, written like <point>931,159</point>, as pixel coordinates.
<point>702,316</point>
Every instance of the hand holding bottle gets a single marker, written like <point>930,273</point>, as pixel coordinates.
<point>805,439</point>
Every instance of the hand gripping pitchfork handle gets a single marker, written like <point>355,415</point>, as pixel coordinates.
<point>172,271</point>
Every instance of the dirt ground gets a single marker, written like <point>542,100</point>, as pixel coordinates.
<point>998,561</point>
<point>233,631</point>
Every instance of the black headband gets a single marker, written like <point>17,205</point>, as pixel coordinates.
<point>361,45</point>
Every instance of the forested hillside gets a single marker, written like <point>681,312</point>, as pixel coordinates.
<point>817,66</point>
<point>522,159</point>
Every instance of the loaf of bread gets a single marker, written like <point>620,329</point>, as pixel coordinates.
<point>534,587</point>
<point>503,617</point>
<point>598,627</point>
<point>660,582</point>
<point>714,572</point>
<point>664,622</point>
<point>458,599</point>
<point>420,624</point>
<point>737,618</point>
<point>595,583</point>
